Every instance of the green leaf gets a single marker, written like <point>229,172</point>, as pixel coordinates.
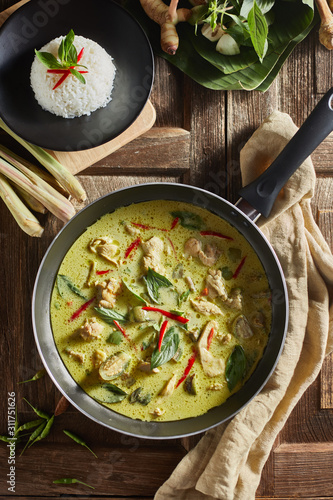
<point>264,5</point>
<point>134,293</point>
<point>189,220</point>
<point>68,43</point>
<point>154,282</point>
<point>115,338</point>
<point>116,395</point>
<point>64,283</point>
<point>137,397</point>
<point>183,297</point>
<point>169,347</point>
<point>258,30</point>
<point>236,367</point>
<point>109,315</point>
<point>77,75</point>
<point>48,60</point>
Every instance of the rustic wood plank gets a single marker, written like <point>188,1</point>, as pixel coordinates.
<point>323,157</point>
<point>160,150</point>
<point>323,67</point>
<point>304,470</point>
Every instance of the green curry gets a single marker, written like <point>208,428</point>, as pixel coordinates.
<point>161,310</point>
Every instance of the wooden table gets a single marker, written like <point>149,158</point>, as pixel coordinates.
<point>196,139</point>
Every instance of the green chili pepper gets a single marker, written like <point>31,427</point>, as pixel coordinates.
<point>34,435</point>
<point>7,439</point>
<point>78,440</point>
<point>29,425</point>
<point>69,480</point>
<point>37,376</point>
<point>40,413</point>
<point>45,432</point>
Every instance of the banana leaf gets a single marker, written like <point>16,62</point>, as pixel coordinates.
<point>197,57</point>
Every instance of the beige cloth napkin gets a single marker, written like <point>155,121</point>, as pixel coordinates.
<point>227,463</point>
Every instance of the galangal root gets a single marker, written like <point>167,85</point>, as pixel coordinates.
<point>167,17</point>
<point>326,26</point>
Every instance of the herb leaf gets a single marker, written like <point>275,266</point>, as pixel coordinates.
<point>48,60</point>
<point>169,347</point>
<point>115,338</point>
<point>78,75</point>
<point>154,282</point>
<point>236,367</point>
<point>64,282</point>
<point>258,30</point>
<point>109,315</point>
<point>189,220</point>
<point>116,395</point>
<point>134,293</point>
<point>137,397</point>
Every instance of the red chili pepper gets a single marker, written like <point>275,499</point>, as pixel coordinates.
<point>132,247</point>
<point>144,226</point>
<point>205,291</point>
<point>67,72</point>
<point>62,79</point>
<point>81,309</point>
<point>214,233</point>
<point>103,272</point>
<point>80,54</point>
<point>210,338</point>
<point>121,329</point>
<point>174,223</point>
<point>62,71</point>
<point>188,368</point>
<point>241,264</point>
<point>168,314</point>
<point>162,332</point>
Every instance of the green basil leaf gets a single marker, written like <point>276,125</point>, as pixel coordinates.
<point>169,347</point>
<point>115,338</point>
<point>109,315</point>
<point>189,220</point>
<point>258,30</point>
<point>183,297</point>
<point>68,43</point>
<point>133,293</point>
<point>78,75</point>
<point>61,50</point>
<point>72,55</point>
<point>116,394</point>
<point>137,397</point>
<point>236,367</point>
<point>154,282</point>
<point>48,60</point>
<point>64,283</point>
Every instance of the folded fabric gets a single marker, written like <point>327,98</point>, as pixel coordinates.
<point>227,462</point>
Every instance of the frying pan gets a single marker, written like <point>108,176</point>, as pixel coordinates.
<point>257,198</point>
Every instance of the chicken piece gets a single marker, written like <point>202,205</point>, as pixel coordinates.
<point>99,357</point>
<point>205,333</point>
<point>169,386</point>
<point>144,366</point>
<point>258,320</point>
<point>192,247</point>
<point>224,338</point>
<point>153,249</point>
<point>91,329</point>
<point>235,299</point>
<point>211,366</point>
<point>215,285</point>
<point>242,328</point>
<point>132,230</point>
<point>205,307</point>
<point>107,291</point>
<point>157,412</point>
<point>215,387</point>
<point>209,256</point>
<point>190,283</point>
<point>105,247</point>
<point>77,356</point>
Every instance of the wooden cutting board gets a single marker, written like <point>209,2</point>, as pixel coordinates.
<point>79,160</point>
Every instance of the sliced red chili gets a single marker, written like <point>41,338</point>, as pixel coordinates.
<point>188,368</point>
<point>62,79</point>
<point>214,233</point>
<point>173,247</point>
<point>162,332</point>
<point>205,292</point>
<point>62,71</point>
<point>241,264</point>
<point>210,338</point>
<point>80,54</point>
<point>103,272</point>
<point>168,314</point>
<point>174,223</point>
<point>132,247</point>
<point>77,313</point>
<point>121,329</point>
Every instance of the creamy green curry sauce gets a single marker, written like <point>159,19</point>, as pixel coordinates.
<point>161,310</point>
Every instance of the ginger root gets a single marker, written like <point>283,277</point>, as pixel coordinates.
<point>167,17</point>
<point>326,27</point>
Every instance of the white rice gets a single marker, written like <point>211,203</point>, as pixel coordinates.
<point>73,98</point>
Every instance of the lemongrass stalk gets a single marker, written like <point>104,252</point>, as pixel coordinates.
<point>24,218</point>
<point>41,172</point>
<point>63,210</point>
<point>35,178</point>
<point>61,173</point>
<point>30,201</point>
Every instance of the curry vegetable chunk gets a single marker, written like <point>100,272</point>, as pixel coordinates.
<point>161,311</point>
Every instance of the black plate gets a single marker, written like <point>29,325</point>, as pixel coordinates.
<point>103,21</point>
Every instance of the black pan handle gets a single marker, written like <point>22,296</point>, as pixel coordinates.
<point>262,192</point>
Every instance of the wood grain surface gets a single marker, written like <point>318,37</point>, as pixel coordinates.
<point>196,139</point>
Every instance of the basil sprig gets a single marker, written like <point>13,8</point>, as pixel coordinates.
<point>169,347</point>
<point>236,367</point>
<point>189,220</point>
<point>154,282</point>
<point>116,394</point>
<point>64,283</point>
<point>109,315</point>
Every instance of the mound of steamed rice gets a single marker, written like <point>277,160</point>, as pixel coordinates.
<point>73,98</point>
